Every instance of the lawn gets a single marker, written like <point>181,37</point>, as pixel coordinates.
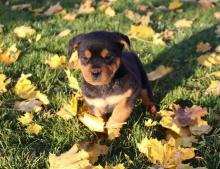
<point>186,85</point>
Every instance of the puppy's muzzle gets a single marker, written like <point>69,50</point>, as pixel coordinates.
<point>96,72</point>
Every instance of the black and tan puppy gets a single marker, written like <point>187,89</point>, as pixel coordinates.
<point>113,79</point>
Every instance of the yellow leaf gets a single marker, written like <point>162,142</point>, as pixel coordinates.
<point>3,83</point>
<point>209,59</point>
<point>175,4</point>
<point>214,88</point>
<point>64,33</point>
<point>26,119</point>
<point>141,32</point>
<point>217,15</point>
<point>183,23</point>
<point>74,61</point>
<point>86,7</point>
<point>9,55</point>
<point>55,61</point>
<point>24,31</point>
<point>118,166</point>
<point>53,9</point>
<point>203,47</point>
<point>160,72</point>
<point>150,123</point>
<point>110,12</point>
<point>200,127</point>
<point>92,122</point>
<point>73,83</point>
<point>69,110</point>
<point>34,128</point>
<point>38,37</point>
<point>26,90</point>
<point>70,16</point>
<point>29,105</point>
<point>158,39</point>
<point>216,74</point>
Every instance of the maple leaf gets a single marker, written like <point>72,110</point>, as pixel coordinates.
<point>141,32</point>
<point>214,88</point>
<point>69,109</point>
<point>92,122</point>
<point>64,33</point>
<point>26,119</point>
<point>9,55</point>
<point>26,90</point>
<point>73,83</point>
<point>167,154</point>
<point>175,4</point>
<point>86,7</point>
<point>209,59</point>
<point>53,9</point>
<point>55,61</point>
<point>34,128</point>
<point>203,47</point>
<point>23,31</point>
<point>21,6</point>
<point>3,83</point>
<point>183,23</point>
<point>29,105</point>
<point>160,72</point>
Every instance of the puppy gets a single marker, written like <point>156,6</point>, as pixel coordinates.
<point>113,78</point>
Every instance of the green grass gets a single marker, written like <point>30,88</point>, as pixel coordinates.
<point>184,86</point>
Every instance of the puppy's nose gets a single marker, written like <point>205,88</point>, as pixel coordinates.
<point>96,73</point>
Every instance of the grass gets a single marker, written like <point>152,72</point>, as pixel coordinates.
<point>184,86</point>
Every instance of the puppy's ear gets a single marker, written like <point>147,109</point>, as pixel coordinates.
<point>122,39</point>
<point>74,44</point>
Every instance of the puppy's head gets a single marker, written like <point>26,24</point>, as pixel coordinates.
<point>99,54</point>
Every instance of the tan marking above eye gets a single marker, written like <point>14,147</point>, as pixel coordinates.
<point>104,53</point>
<point>87,54</point>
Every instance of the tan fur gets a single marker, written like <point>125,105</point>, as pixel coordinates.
<point>104,53</point>
<point>87,54</point>
<point>147,101</point>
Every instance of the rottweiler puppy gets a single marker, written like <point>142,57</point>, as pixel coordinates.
<point>113,78</point>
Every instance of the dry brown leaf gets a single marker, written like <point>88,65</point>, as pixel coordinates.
<point>205,3</point>
<point>3,83</point>
<point>183,23</point>
<point>29,105</point>
<point>92,122</point>
<point>203,47</point>
<point>86,7</point>
<point>24,31</point>
<point>9,55</point>
<point>64,33</point>
<point>160,72</point>
<point>21,6</point>
<point>53,9</point>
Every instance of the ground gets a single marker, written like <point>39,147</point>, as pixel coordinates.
<point>185,85</point>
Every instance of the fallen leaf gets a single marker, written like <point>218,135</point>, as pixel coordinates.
<point>188,166</point>
<point>175,4</point>
<point>158,39</point>
<point>166,155</point>
<point>183,23</point>
<point>214,88</point>
<point>141,32</point>
<point>200,127</point>
<point>24,31</point>
<point>29,105</point>
<point>9,55</point>
<point>216,74</point>
<point>209,59</point>
<point>34,128</point>
<point>38,37</point>
<point>64,33</point>
<point>160,72</point>
<point>26,119</point>
<point>74,61</point>
<point>21,6</point>
<point>73,83</point>
<point>205,3</point>
<point>3,83</point>
<point>203,47</point>
<point>69,109</point>
<point>26,90</point>
<point>55,61</point>
<point>86,7</point>
<point>92,122</point>
<point>150,123</point>
<point>110,12</point>
<point>70,16</point>
<point>53,9</point>
<point>217,15</point>
<point>142,8</point>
